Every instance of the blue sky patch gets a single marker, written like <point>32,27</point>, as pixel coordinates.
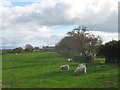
<point>21,3</point>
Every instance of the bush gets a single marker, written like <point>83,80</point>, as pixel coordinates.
<point>100,60</point>
<point>110,51</point>
<point>18,50</point>
<point>7,51</point>
<point>81,58</point>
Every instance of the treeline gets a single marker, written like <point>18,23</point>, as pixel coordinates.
<point>28,48</point>
<point>16,50</point>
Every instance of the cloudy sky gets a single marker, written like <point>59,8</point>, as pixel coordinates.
<point>45,22</point>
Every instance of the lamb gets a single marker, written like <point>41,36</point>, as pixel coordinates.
<point>80,68</point>
<point>64,67</point>
<point>69,59</point>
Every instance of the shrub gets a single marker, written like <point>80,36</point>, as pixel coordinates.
<point>100,60</point>
<point>110,51</point>
<point>18,50</point>
<point>81,58</point>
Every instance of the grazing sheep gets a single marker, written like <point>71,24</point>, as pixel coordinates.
<point>82,65</point>
<point>69,59</point>
<point>81,68</point>
<point>64,67</point>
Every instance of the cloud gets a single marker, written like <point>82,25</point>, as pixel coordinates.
<point>106,36</point>
<point>37,36</point>
<point>5,3</point>
<point>65,12</point>
<point>35,23</point>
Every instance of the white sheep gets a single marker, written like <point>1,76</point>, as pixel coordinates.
<point>80,68</point>
<point>64,67</point>
<point>82,65</point>
<point>69,59</point>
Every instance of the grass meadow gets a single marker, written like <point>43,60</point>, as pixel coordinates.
<point>42,70</point>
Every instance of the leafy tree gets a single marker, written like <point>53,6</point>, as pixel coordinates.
<point>18,50</point>
<point>28,47</point>
<point>79,42</point>
<point>110,51</point>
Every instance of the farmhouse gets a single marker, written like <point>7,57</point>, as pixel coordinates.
<point>48,48</point>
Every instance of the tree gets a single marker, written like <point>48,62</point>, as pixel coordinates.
<point>18,50</point>
<point>28,47</point>
<point>78,41</point>
<point>110,51</point>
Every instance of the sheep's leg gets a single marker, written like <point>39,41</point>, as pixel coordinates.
<point>85,71</point>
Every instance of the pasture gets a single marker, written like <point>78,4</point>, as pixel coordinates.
<point>42,70</point>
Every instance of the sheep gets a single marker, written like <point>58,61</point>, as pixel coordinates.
<point>80,68</point>
<point>64,67</point>
<point>69,59</point>
<point>82,65</point>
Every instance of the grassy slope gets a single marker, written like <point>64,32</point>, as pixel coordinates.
<point>41,70</point>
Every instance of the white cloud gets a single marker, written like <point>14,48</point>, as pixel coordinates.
<point>5,3</point>
<point>44,30</point>
<point>64,12</point>
<point>106,36</point>
<point>33,23</point>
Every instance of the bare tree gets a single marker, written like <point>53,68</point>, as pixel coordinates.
<point>80,42</point>
<point>28,47</point>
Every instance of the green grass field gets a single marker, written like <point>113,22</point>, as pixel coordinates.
<point>42,70</point>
